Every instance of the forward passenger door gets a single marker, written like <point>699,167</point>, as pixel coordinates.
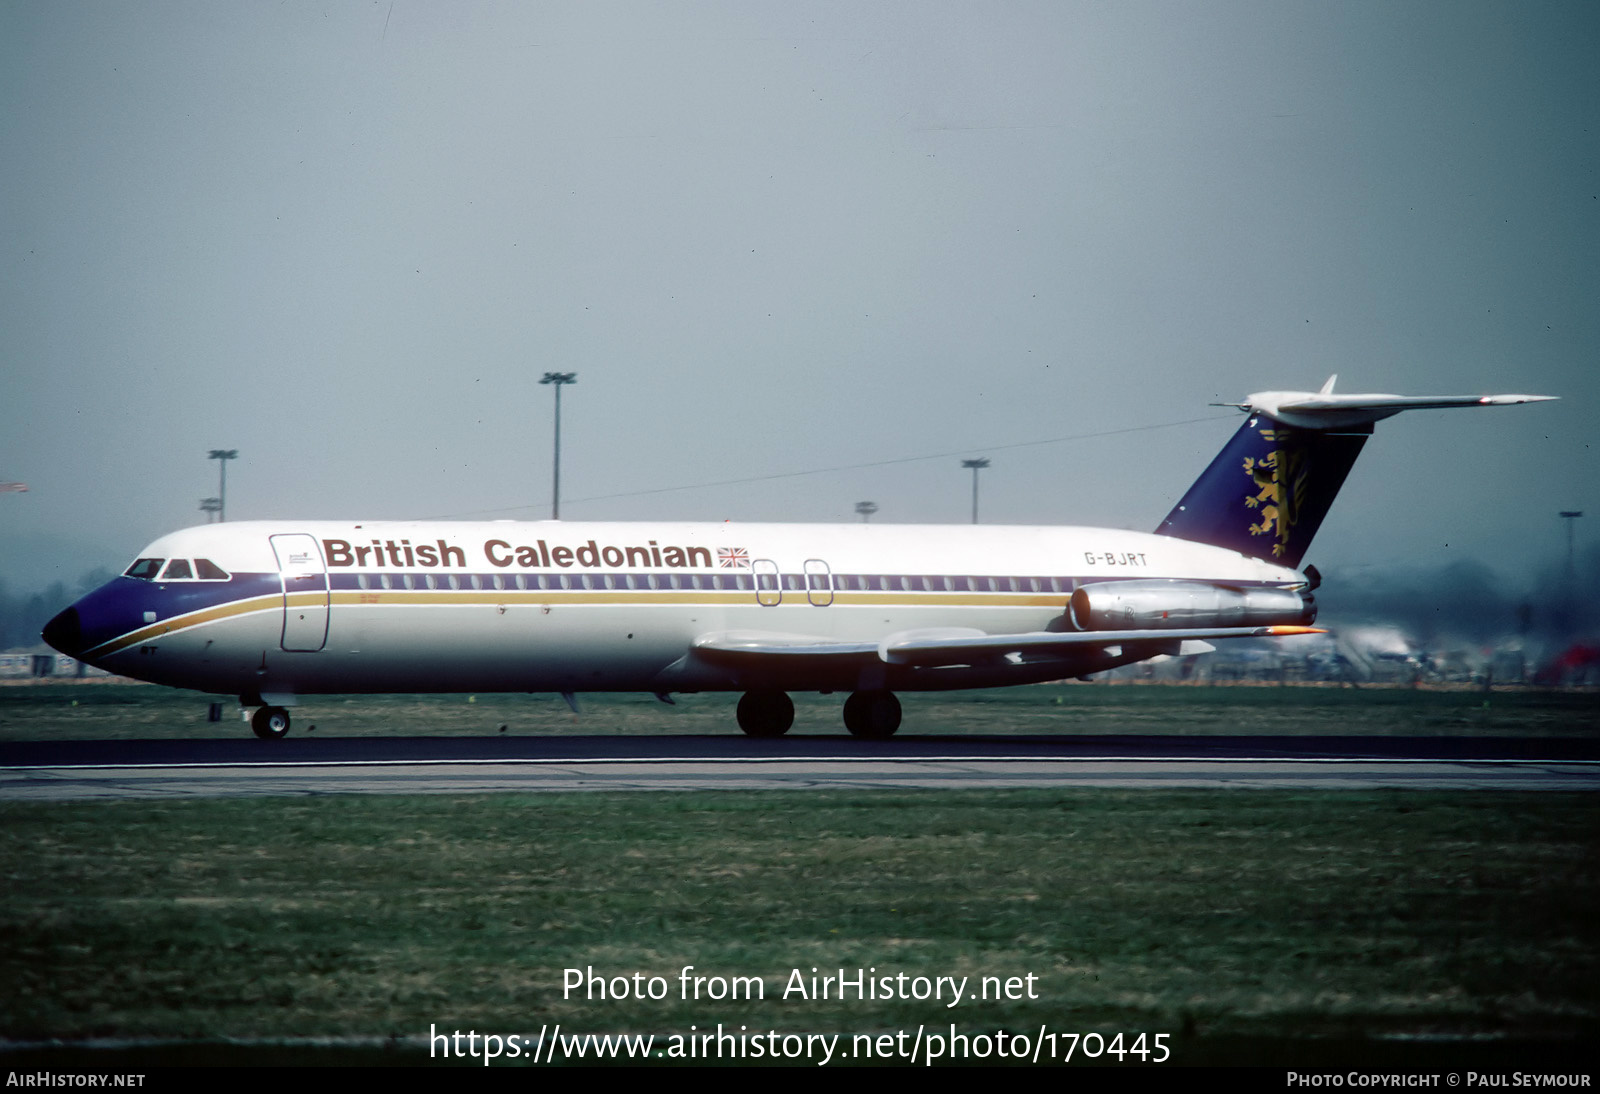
<point>305,592</point>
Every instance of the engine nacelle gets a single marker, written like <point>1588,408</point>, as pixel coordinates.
<point>1168,605</point>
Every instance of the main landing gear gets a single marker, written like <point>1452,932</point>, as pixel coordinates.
<point>270,723</point>
<point>873,715</point>
<point>766,713</point>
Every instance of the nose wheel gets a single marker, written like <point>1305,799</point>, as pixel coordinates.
<point>270,723</point>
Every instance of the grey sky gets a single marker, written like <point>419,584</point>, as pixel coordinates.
<point>347,238</point>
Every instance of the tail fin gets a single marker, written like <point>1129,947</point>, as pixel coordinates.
<point>1267,491</point>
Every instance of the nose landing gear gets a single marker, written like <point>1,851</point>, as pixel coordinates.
<point>270,723</point>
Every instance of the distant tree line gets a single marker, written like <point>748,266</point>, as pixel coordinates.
<point>1466,600</point>
<point>23,615</point>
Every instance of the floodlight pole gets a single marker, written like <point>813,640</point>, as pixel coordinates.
<point>1570,516</point>
<point>223,455</point>
<point>976,465</point>
<point>558,379</point>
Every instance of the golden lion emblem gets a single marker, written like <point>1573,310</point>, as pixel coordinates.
<point>1280,479</point>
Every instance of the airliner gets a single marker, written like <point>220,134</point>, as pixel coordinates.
<point>272,611</point>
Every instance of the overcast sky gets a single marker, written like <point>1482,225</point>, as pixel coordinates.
<point>347,239</point>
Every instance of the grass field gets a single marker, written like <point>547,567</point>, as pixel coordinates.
<point>98,711</point>
<point>1254,926</point>
<point>1243,914</point>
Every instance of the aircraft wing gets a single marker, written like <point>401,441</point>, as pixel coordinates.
<point>736,645</point>
<point>958,645</point>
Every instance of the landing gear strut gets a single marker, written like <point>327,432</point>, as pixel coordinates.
<point>270,723</point>
<point>766,713</point>
<point>874,715</point>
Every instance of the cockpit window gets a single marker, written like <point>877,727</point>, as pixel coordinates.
<point>177,570</point>
<point>206,570</point>
<point>145,569</point>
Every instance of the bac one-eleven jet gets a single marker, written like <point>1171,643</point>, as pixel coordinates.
<point>273,610</point>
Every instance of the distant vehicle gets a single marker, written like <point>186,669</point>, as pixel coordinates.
<point>270,611</point>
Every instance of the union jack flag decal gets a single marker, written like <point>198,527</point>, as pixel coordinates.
<point>733,557</point>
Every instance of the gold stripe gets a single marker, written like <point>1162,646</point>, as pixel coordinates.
<point>184,622</point>
<point>493,597</point>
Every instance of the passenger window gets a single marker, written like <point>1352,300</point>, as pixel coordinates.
<point>207,570</point>
<point>177,570</point>
<point>145,569</point>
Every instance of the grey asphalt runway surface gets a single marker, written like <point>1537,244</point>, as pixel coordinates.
<point>88,770</point>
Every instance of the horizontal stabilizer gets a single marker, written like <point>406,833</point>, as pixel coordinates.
<point>1326,410</point>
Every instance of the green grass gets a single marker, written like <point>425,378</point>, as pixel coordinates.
<point>109,710</point>
<point>1228,914</point>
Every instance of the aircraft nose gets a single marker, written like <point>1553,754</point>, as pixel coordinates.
<point>65,633</point>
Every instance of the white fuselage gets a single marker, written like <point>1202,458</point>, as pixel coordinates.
<point>316,607</point>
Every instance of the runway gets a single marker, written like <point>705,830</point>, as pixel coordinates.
<point>110,770</point>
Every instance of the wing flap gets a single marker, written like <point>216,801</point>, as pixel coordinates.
<point>959,645</point>
<point>913,650</point>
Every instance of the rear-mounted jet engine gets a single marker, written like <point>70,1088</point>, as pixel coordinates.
<point>1162,605</point>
